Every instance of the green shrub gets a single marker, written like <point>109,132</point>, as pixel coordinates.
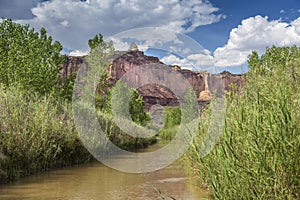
<point>119,137</point>
<point>173,119</point>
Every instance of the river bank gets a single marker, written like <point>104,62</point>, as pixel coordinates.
<point>37,133</point>
<point>96,181</point>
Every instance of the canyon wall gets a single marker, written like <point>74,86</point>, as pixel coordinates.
<point>136,62</point>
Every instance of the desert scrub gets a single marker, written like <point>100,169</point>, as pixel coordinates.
<point>36,134</point>
<point>257,156</point>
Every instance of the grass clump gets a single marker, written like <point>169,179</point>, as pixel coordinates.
<point>257,156</point>
<point>36,134</point>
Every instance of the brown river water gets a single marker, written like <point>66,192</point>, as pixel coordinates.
<point>95,181</point>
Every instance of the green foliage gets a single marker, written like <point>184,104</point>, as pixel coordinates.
<point>179,115</point>
<point>36,134</point>
<point>258,154</point>
<point>136,109</point>
<point>127,103</point>
<point>275,59</point>
<point>103,94</point>
<point>28,58</point>
<point>99,59</point>
<point>96,41</point>
<point>173,119</point>
<point>120,138</point>
<point>189,107</point>
<point>173,116</point>
<point>65,89</point>
<point>168,133</point>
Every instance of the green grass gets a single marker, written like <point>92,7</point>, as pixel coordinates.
<point>168,133</point>
<point>36,134</point>
<point>257,156</point>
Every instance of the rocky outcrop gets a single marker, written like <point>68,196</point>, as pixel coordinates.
<point>72,64</point>
<point>205,95</point>
<point>229,79</point>
<point>133,61</point>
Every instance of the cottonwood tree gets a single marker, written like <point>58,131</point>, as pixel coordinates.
<point>28,58</point>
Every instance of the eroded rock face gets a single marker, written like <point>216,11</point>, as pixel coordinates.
<point>134,61</point>
<point>72,64</point>
<point>229,79</point>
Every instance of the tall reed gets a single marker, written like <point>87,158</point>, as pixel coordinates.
<point>36,133</point>
<point>257,156</point>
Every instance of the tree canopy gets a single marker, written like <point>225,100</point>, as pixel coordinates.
<point>28,58</point>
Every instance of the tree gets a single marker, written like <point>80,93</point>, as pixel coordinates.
<point>96,41</point>
<point>173,116</point>
<point>128,103</point>
<point>28,58</point>
<point>101,57</point>
<point>102,95</point>
<point>274,59</point>
<point>136,109</point>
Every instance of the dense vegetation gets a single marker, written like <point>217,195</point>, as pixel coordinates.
<point>123,98</point>
<point>257,156</point>
<point>37,131</point>
<point>172,117</point>
<point>28,59</point>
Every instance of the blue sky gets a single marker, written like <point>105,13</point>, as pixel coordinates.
<point>217,34</point>
<point>228,30</point>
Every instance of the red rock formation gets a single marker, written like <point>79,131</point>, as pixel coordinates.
<point>205,95</point>
<point>72,64</point>
<point>134,59</point>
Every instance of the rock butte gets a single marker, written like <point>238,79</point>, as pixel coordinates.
<point>132,60</point>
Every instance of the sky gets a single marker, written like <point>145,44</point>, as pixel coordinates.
<point>194,34</point>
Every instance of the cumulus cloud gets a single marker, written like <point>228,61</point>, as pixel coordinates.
<point>256,33</point>
<point>157,37</point>
<point>174,60</point>
<point>73,22</point>
<point>199,62</point>
<point>78,53</point>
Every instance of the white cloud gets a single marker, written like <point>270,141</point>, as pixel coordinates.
<point>148,37</point>
<point>73,22</point>
<point>201,60</point>
<point>282,11</point>
<point>256,33</point>
<point>78,53</point>
<point>174,60</point>
<point>198,62</point>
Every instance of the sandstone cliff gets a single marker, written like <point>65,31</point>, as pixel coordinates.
<point>133,60</point>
